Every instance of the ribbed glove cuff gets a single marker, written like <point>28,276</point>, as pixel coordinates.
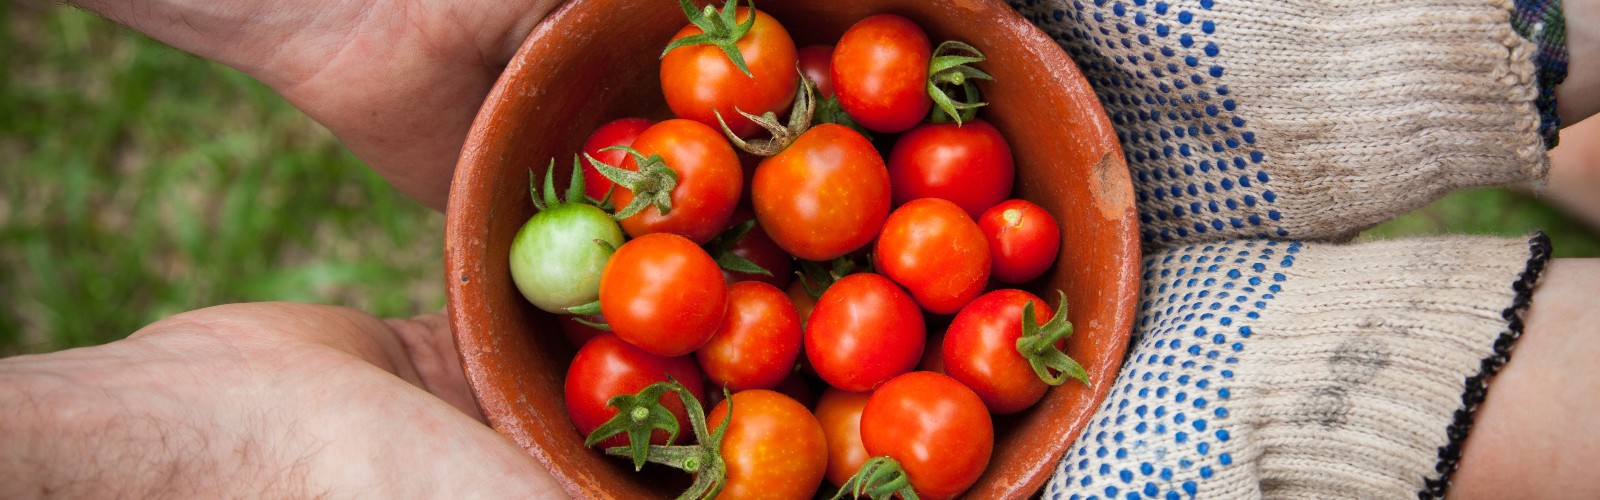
<point>1378,360</point>
<point>1306,370</point>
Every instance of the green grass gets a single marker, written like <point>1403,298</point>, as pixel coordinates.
<point>1499,212</point>
<point>137,182</point>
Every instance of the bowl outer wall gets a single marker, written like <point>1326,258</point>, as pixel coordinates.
<point>546,102</point>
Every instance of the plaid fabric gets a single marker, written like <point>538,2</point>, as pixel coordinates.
<point>1541,22</point>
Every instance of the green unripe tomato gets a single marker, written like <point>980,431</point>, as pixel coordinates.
<point>555,259</point>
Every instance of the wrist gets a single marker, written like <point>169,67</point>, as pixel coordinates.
<point>1578,96</point>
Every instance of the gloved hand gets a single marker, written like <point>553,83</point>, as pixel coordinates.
<point>1268,367</point>
<point>1311,119</point>
<point>1305,370</point>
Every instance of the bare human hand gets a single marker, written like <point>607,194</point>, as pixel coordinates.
<point>268,399</point>
<point>398,81</point>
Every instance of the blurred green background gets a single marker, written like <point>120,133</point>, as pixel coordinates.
<point>137,181</point>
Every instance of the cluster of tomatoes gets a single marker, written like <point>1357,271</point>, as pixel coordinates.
<point>833,260</point>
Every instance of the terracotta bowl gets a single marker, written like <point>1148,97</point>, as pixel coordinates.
<point>596,60</point>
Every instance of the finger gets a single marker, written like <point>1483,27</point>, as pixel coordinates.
<point>268,325</point>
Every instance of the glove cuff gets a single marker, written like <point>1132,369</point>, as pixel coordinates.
<point>1378,360</point>
<point>1294,370</point>
<point>1477,386</point>
<point>1542,22</point>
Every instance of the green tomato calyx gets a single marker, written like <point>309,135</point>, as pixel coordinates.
<point>639,415</point>
<point>547,198</point>
<point>950,71</point>
<point>704,459</point>
<point>651,184</point>
<point>1038,345</point>
<point>880,478</point>
<point>721,249</point>
<point>718,28</point>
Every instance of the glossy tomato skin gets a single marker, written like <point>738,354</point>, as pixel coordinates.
<point>816,62</point>
<point>980,350</point>
<point>607,367</point>
<point>773,448</point>
<point>1024,240</point>
<point>968,164</point>
<point>932,248</point>
<point>663,293</point>
<point>935,427</point>
<point>864,331</point>
<point>839,411</point>
<point>710,180</point>
<point>824,196</point>
<point>758,342</point>
<point>699,81</point>
<point>554,259</point>
<point>619,132</point>
<point>880,73</point>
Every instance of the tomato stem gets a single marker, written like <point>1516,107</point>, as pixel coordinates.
<point>800,116</point>
<point>704,460</point>
<point>574,194</point>
<point>1038,345</point>
<point>639,415</point>
<point>719,29</point>
<point>651,184</point>
<point>880,478</point>
<point>815,278</point>
<point>721,249</point>
<point>951,67</point>
<point>830,111</point>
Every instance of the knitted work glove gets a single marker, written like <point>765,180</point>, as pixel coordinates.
<point>1307,119</point>
<point>1305,370</point>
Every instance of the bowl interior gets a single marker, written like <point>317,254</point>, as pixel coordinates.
<point>596,60</point>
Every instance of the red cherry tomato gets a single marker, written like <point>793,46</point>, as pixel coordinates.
<point>933,249</point>
<point>1024,240</point>
<point>607,367</point>
<point>620,132</point>
<point>700,81</point>
<point>759,248</point>
<point>981,350</point>
<point>880,73</point>
<point>773,448</point>
<point>709,181</point>
<point>824,196</point>
<point>816,62</point>
<point>839,411</point>
<point>935,427</point>
<point>758,342</point>
<point>967,164</point>
<point>663,293</point>
<point>863,331</point>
